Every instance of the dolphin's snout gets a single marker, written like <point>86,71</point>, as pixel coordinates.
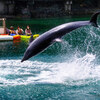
<point>22,60</point>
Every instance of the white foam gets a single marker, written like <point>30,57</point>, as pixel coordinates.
<point>80,68</point>
<point>13,72</point>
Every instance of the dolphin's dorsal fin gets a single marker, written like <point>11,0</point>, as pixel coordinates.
<point>31,39</point>
<point>93,19</point>
<point>57,40</point>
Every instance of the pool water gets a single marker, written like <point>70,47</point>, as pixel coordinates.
<point>65,71</point>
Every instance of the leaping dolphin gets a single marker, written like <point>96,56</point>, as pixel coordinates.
<point>54,35</point>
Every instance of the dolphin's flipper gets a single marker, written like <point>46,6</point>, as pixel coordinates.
<point>93,19</point>
<point>31,39</point>
<point>57,40</point>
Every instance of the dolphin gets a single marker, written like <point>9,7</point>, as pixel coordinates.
<point>55,35</point>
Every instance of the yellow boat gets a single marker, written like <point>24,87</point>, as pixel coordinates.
<point>24,37</point>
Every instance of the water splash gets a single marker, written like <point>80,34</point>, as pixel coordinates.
<point>12,72</point>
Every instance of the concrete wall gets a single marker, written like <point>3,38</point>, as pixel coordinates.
<point>2,6</point>
<point>11,8</point>
<point>6,9</point>
<point>98,3</point>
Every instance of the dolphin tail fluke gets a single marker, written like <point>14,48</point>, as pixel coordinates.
<point>93,19</point>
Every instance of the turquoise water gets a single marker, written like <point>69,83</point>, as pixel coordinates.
<point>65,71</point>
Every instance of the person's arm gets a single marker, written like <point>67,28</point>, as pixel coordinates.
<point>17,32</point>
<point>22,31</point>
<point>30,32</point>
<point>25,31</point>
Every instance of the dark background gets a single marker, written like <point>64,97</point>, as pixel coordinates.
<point>48,8</point>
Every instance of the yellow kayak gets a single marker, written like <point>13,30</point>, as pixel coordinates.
<point>24,37</point>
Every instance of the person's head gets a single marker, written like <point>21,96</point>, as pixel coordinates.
<point>28,27</point>
<point>11,27</point>
<point>18,27</point>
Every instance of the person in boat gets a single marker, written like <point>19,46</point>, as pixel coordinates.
<point>12,32</point>
<point>28,31</point>
<point>19,31</point>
